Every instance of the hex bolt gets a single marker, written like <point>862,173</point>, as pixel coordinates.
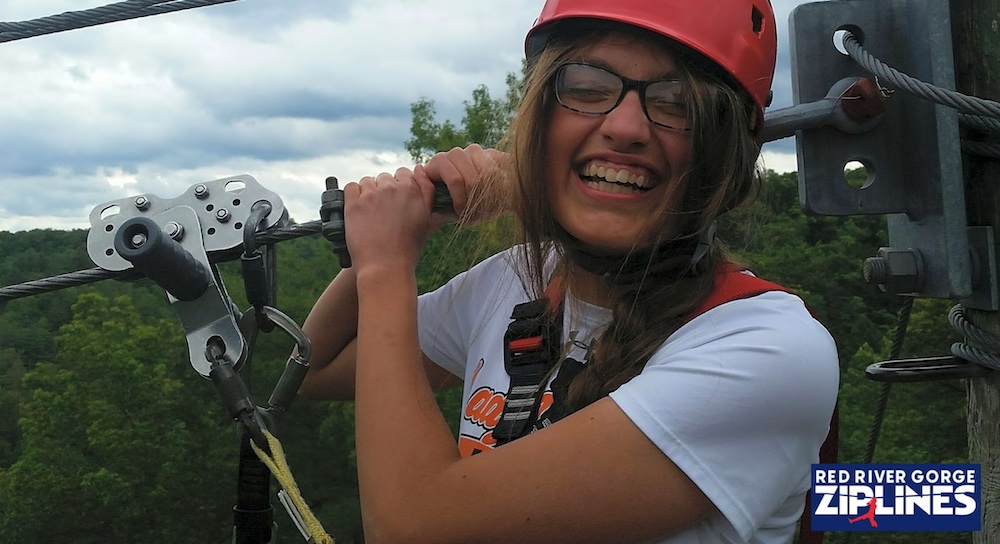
<point>896,271</point>
<point>174,230</point>
<point>223,215</point>
<point>201,191</point>
<point>138,240</point>
<point>331,183</point>
<point>142,203</point>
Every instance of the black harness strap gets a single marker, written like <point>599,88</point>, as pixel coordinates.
<point>568,370</point>
<point>530,343</point>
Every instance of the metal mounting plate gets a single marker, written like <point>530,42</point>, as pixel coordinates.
<point>234,194</point>
<point>913,156</point>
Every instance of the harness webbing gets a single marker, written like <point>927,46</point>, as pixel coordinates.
<point>530,344</point>
<point>732,282</point>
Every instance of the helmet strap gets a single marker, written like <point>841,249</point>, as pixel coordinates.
<point>675,258</point>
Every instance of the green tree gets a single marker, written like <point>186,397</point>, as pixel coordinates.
<point>11,398</point>
<point>484,122</point>
<point>116,448</point>
<point>818,257</point>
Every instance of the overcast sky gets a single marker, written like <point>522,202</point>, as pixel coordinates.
<point>288,91</point>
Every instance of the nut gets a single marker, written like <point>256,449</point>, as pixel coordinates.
<point>903,270</point>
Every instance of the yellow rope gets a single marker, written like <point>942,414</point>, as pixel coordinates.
<point>279,467</point>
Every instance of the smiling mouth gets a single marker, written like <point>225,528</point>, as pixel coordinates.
<point>610,180</point>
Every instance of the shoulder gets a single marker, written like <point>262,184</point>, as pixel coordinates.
<point>770,336</point>
<point>752,381</point>
<point>779,317</point>
<point>764,351</point>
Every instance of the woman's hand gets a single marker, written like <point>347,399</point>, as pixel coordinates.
<point>388,219</point>
<point>463,170</point>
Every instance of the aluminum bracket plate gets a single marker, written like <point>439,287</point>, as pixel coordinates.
<point>221,207</point>
<point>912,157</point>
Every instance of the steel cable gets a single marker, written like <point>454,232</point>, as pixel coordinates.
<point>118,11</point>
<point>987,345</point>
<point>979,122</point>
<point>902,322</point>
<point>985,149</point>
<point>92,275</point>
<point>963,103</point>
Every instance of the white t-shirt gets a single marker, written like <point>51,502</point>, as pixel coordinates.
<point>739,398</point>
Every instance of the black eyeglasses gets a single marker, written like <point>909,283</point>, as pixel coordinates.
<point>593,90</point>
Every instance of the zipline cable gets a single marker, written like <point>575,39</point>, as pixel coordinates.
<point>961,102</point>
<point>111,13</point>
<point>973,112</point>
<point>92,275</point>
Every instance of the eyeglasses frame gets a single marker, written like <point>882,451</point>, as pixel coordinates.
<point>628,84</point>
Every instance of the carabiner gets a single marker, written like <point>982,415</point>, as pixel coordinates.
<point>297,365</point>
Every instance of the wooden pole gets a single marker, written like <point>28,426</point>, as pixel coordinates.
<point>976,38</point>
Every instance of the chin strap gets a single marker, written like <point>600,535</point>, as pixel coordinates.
<point>705,241</point>
<point>683,256</point>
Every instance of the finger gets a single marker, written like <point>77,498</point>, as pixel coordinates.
<point>427,188</point>
<point>402,174</point>
<point>353,189</point>
<point>444,167</point>
<point>420,174</point>
<point>383,178</point>
<point>494,158</point>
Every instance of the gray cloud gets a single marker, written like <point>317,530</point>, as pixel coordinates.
<point>289,91</point>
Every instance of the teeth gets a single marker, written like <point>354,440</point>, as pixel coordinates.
<point>613,176</point>
<point>611,187</point>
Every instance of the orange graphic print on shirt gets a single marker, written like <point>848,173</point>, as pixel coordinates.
<point>481,415</point>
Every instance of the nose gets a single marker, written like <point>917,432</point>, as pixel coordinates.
<point>626,125</point>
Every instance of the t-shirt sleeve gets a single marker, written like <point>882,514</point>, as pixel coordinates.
<point>450,317</point>
<point>740,399</point>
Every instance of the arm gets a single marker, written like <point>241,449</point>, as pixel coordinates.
<point>592,477</point>
<point>332,328</point>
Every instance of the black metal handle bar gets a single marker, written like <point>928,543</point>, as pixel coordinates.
<point>161,259</point>
<point>331,213</point>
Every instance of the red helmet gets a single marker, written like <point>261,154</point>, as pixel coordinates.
<point>738,35</point>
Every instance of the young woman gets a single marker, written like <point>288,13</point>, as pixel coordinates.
<point>657,393</point>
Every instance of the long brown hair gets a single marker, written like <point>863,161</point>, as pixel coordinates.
<point>723,173</point>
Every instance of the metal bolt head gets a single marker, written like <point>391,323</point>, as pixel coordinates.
<point>138,240</point>
<point>142,203</point>
<point>223,215</point>
<point>201,191</point>
<point>174,230</point>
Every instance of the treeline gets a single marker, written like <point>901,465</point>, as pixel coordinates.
<point>108,435</point>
